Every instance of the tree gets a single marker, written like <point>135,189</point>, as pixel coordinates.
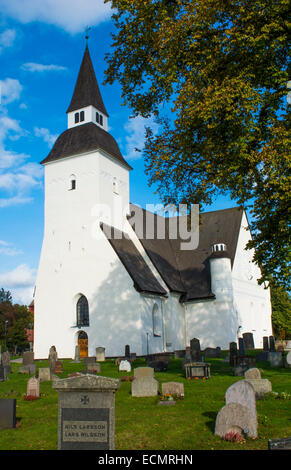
<point>281,312</point>
<point>213,74</point>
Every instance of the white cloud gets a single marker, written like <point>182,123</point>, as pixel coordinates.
<point>20,282</point>
<point>7,38</point>
<point>10,90</point>
<point>45,135</point>
<point>35,67</point>
<point>135,138</point>
<point>8,249</point>
<point>71,15</point>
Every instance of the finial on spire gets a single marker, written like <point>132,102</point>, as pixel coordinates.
<point>87,34</point>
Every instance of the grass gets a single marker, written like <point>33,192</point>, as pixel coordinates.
<point>140,423</point>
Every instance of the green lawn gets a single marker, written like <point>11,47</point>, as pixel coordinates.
<point>142,424</point>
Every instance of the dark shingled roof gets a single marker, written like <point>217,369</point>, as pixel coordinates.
<point>137,268</point>
<point>87,91</point>
<point>188,272</point>
<point>84,138</point>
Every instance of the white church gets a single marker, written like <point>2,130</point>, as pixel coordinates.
<point>98,290</point>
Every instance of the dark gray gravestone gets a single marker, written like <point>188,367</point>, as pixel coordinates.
<point>195,350</point>
<point>127,351</point>
<point>7,413</point>
<point>2,373</point>
<point>265,343</point>
<point>232,354</point>
<point>86,412</point>
<point>89,360</point>
<point>272,344</point>
<point>248,340</point>
<point>241,347</point>
<point>6,362</point>
<point>279,444</point>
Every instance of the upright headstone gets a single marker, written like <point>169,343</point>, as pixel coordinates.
<point>125,366</point>
<point>248,340</point>
<point>144,384</point>
<point>77,354</point>
<point>265,343</point>
<point>7,413</point>
<point>89,360</point>
<point>53,357</point>
<point>86,412</point>
<point>288,360</point>
<point>195,350</point>
<point>175,389</point>
<point>33,387</point>
<point>6,362</point>
<point>241,347</point>
<point>127,352</point>
<point>2,373</point>
<point>100,354</point>
<point>28,358</point>
<point>242,392</point>
<point>272,347</point>
<point>275,359</point>
<point>233,353</point>
<point>261,386</point>
<point>44,374</point>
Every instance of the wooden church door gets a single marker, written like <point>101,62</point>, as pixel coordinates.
<point>83,344</point>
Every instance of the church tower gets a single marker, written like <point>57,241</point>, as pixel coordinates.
<point>86,182</point>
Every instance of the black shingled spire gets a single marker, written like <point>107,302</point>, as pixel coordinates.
<point>87,91</point>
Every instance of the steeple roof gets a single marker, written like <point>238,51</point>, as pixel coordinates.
<point>86,90</point>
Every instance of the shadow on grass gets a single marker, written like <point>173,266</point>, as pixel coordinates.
<point>210,424</point>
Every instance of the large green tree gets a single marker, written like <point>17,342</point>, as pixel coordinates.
<point>213,74</point>
<point>281,312</point>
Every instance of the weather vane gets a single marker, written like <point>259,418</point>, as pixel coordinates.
<point>87,33</point>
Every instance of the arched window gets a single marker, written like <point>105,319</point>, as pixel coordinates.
<point>82,311</point>
<point>97,117</point>
<point>77,118</point>
<point>72,182</point>
<point>82,116</point>
<point>115,185</point>
<point>156,321</point>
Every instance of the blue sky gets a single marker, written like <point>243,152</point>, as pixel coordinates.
<point>41,48</point>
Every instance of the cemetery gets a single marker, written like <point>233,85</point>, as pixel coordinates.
<point>117,403</point>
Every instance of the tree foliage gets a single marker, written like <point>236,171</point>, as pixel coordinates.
<point>15,319</point>
<point>214,75</point>
<point>281,312</point>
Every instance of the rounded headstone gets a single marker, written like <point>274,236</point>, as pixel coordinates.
<point>242,392</point>
<point>238,418</point>
<point>253,373</point>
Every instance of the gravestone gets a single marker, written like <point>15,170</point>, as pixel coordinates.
<point>197,370</point>
<point>233,353</point>
<point>77,354</point>
<point>241,347</point>
<point>179,353</point>
<point>243,393</point>
<point>275,359</point>
<point>195,351</point>
<point>44,374</point>
<point>132,357</point>
<point>58,367</point>
<point>89,360</point>
<point>7,413</point>
<point>6,362</point>
<point>2,373</point>
<point>265,343</point>
<point>248,340</point>
<point>53,357</point>
<point>173,388</point>
<point>212,352</point>
<point>28,358</point>
<point>94,367</point>
<point>33,387</point>
<point>144,384</point>
<point>100,354</point>
<point>86,412</point>
<point>158,366</point>
<point>288,345</point>
<point>261,386</point>
<point>28,369</point>
<point>279,444</point>
<point>127,352</point>
<point>288,360</point>
<point>124,366</point>
<point>272,347</point>
<point>237,418</point>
